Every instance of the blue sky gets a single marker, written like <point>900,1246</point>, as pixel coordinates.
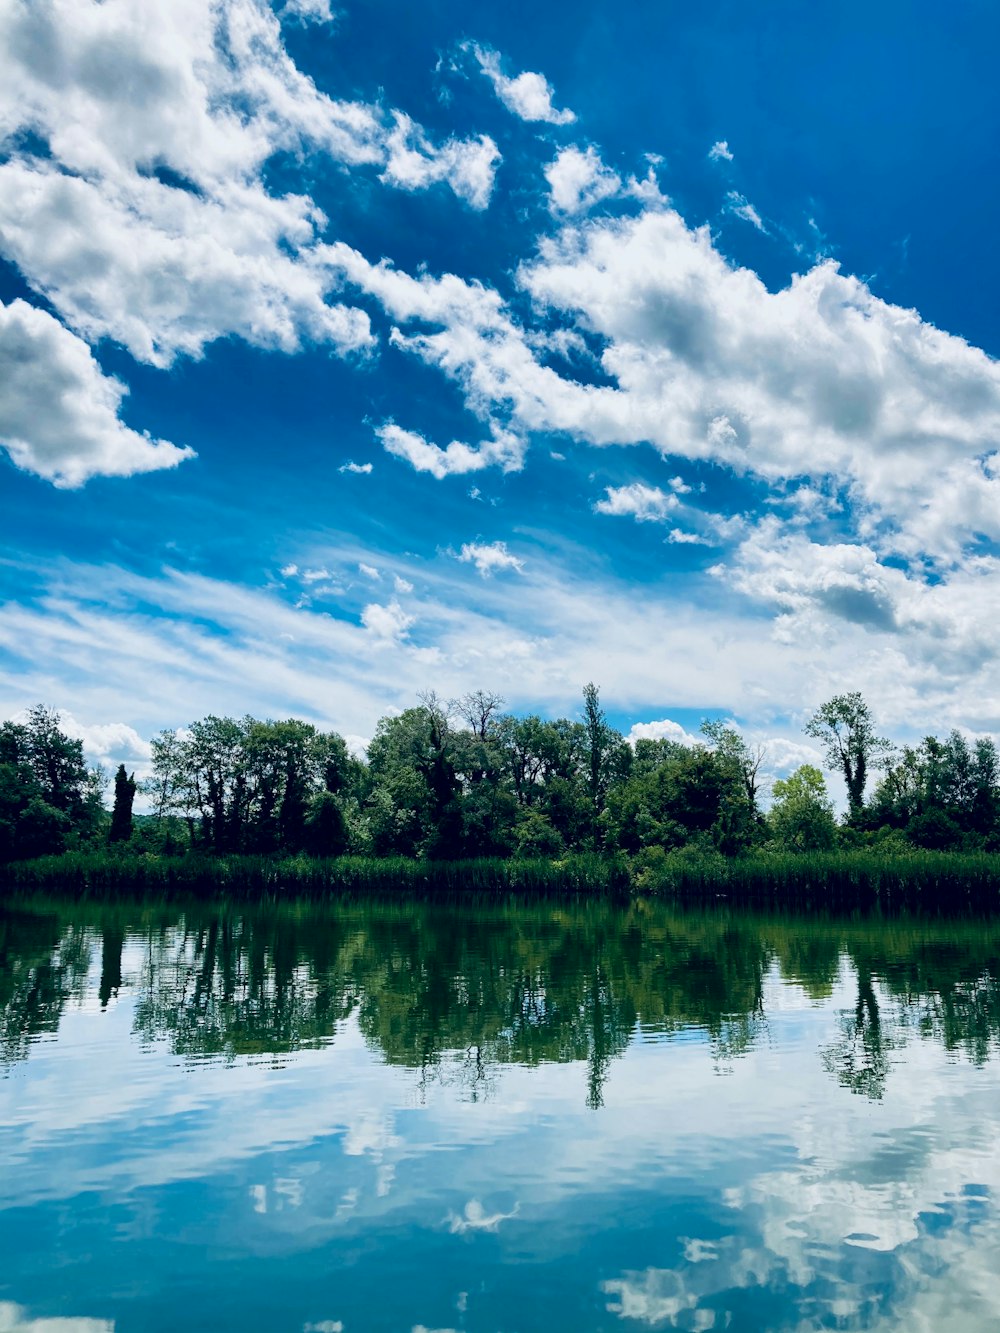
<point>347,352</point>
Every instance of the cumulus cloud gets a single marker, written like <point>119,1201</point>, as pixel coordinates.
<point>664,729</point>
<point>14,1319</point>
<point>388,623</point>
<point>103,741</point>
<point>361,469</point>
<point>468,165</point>
<point>527,95</point>
<point>819,379</point>
<point>488,557</point>
<point>719,151</point>
<point>148,220</point>
<point>651,504</point>
<point>503,450</point>
<point>59,413</point>
<point>646,504</point>
<point>579,180</point>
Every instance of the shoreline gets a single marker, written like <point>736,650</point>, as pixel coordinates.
<point>855,879</point>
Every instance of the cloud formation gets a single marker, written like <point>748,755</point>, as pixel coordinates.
<point>503,450</point>
<point>647,504</point>
<point>527,95</point>
<point>147,219</point>
<point>579,180</point>
<point>489,557</point>
<point>59,413</point>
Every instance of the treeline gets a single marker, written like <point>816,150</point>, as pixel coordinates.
<point>465,780</point>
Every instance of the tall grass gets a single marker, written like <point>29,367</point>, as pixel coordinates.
<point>831,880</point>
<point>99,874</point>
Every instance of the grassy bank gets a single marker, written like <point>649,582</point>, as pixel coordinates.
<point>95,874</point>
<point>836,880</point>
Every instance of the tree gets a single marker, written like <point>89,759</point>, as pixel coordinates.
<point>48,797</point>
<point>479,710</point>
<point>846,728</point>
<point>801,818</point>
<point>326,830</point>
<point>121,815</point>
<point>746,759</point>
<point>604,749</point>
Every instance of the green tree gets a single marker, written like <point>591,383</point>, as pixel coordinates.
<point>49,800</point>
<point>846,729</point>
<point>801,817</point>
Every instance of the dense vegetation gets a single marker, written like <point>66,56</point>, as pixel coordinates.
<point>247,803</point>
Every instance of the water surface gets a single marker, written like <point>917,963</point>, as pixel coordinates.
<point>495,1119</point>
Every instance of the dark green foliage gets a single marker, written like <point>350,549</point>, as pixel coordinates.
<point>325,827</point>
<point>121,814</point>
<point>462,783</point>
<point>48,799</point>
<point>846,728</point>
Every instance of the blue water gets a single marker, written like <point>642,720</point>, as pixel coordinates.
<point>545,1118</point>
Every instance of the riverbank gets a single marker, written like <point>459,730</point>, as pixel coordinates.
<point>853,879</point>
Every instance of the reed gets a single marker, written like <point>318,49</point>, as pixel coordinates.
<point>830,881</point>
<point>100,874</point>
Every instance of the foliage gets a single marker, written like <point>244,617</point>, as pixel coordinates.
<point>801,818</point>
<point>463,782</point>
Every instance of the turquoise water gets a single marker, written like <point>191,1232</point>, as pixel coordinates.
<point>495,1120</point>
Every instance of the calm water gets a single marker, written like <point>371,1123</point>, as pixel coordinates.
<point>496,1120</point>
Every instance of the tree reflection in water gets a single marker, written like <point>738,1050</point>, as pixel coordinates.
<point>459,991</point>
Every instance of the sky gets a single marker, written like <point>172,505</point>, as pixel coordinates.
<point>351,351</point>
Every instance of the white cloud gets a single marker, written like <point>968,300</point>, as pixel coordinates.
<point>528,95</point>
<point>369,571</point>
<point>665,729</point>
<point>741,207</point>
<point>153,652</point>
<point>402,585</point>
<point>13,1319</point>
<point>150,221</point>
<point>59,413</point>
<point>719,151</point>
<point>504,450</point>
<point>104,741</point>
<point>468,165</point>
<point>309,11</point>
<point>390,622</point>
<point>289,571</point>
<point>578,181</point>
<point>820,379</point>
<point>361,469</point>
<point>684,537</point>
<point>488,557</point>
<point>646,504</point>
<point>315,575</point>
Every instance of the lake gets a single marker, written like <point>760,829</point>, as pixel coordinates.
<point>500,1119</point>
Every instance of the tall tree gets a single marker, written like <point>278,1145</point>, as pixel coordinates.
<point>846,728</point>
<point>121,814</point>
